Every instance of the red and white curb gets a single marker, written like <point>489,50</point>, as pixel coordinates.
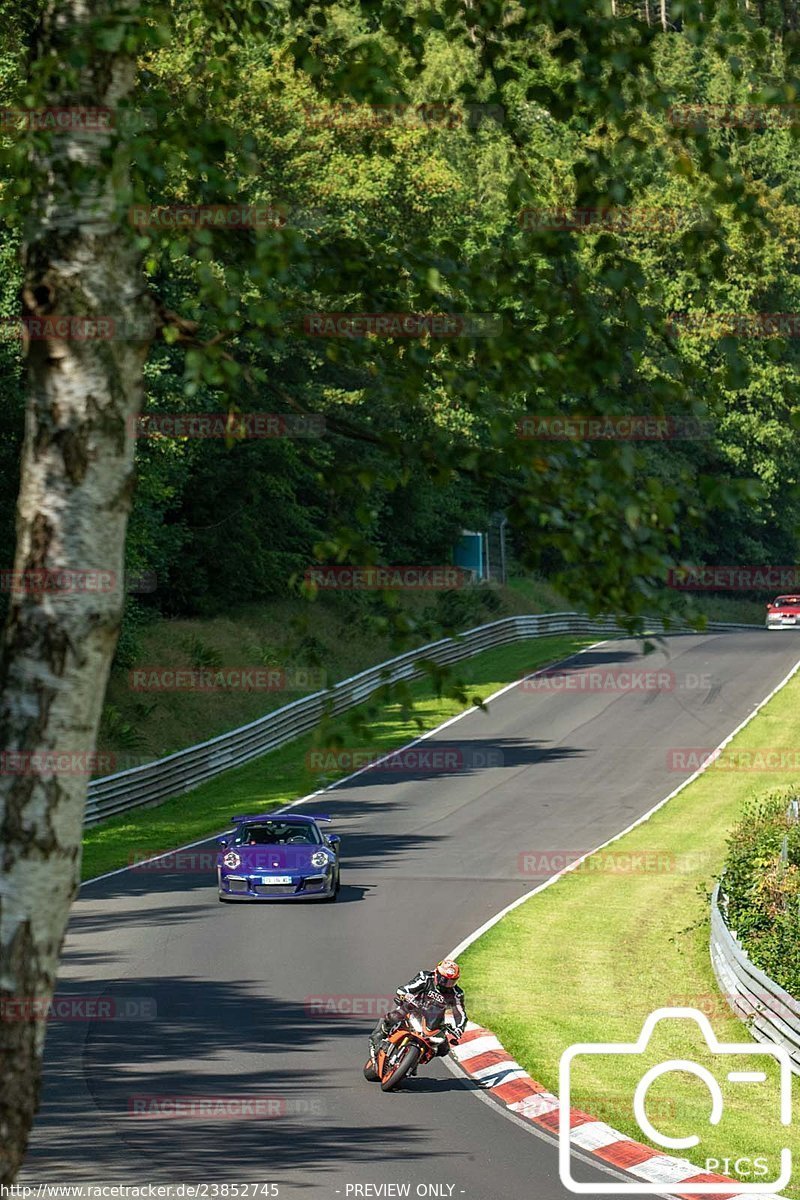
<point>482,1057</point>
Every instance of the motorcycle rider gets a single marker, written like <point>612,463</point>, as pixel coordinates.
<point>428,987</point>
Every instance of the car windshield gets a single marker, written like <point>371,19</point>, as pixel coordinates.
<point>787,600</point>
<point>278,833</point>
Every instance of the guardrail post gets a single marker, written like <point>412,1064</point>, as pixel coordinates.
<point>180,772</point>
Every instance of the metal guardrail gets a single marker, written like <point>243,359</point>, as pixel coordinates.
<point>181,772</point>
<point>771,1014</point>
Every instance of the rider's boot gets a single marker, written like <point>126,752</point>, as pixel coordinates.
<point>381,1031</point>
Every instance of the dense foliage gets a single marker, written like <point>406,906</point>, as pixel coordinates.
<point>508,109</point>
<point>400,148</point>
<point>762,885</point>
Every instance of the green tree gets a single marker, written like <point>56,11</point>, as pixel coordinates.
<point>410,220</point>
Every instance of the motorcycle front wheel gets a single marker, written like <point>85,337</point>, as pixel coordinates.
<point>407,1061</point>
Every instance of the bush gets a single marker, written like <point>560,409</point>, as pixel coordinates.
<point>763,888</point>
<point>115,732</point>
<point>470,606</point>
<point>203,657</point>
<point>129,646</point>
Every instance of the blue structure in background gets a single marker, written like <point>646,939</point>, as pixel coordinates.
<point>468,552</point>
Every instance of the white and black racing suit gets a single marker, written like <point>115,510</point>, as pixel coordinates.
<point>420,992</point>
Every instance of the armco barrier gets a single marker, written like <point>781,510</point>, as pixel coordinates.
<point>771,1014</point>
<point>184,770</point>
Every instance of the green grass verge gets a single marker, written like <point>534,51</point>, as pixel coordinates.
<point>737,609</point>
<point>336,635</point>
<point>284,775</point>
<point>543,597</point>
<point>588,959</point>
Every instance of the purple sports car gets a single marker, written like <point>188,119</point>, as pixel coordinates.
<point>281,856</point>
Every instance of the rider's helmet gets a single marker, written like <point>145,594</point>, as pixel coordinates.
<point>446,974</point>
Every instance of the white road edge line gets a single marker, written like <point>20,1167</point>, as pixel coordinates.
<point>544,1135</point>
<point>473,937</point>
<point>461,1073</point>
<point>354,775</point>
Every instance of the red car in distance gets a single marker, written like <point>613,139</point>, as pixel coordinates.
<point>784,613</point>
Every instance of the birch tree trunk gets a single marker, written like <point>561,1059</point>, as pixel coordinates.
<point>75,493</point>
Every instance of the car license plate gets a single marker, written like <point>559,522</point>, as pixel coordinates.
<point>276,879</point>
<point>789,620</point>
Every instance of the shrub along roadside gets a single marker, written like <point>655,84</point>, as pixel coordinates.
<point>285,774</point>
<point>762,886</point>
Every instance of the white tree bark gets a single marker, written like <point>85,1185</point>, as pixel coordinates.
<point>75,493</point>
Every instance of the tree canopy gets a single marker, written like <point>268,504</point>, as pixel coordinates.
<point>534,213</point>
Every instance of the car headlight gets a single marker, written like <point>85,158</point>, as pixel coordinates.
<point>319,859</point>
<point>232,859</point>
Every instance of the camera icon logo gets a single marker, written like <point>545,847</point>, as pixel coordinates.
<point>762,1050</point>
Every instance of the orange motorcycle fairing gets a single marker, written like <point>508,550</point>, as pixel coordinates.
<point>401,1052</point>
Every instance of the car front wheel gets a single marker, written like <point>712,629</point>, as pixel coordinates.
<point>330,899</point>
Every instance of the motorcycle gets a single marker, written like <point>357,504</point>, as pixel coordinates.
<point>412,1044</point>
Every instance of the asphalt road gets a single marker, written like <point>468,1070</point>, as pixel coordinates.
<point>231,991</point>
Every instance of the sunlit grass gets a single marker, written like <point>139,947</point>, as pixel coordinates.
<point>587,959</point>
<point>284,774</point>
